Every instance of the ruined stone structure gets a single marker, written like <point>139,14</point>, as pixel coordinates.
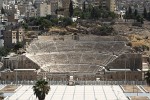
<point>87,58</point>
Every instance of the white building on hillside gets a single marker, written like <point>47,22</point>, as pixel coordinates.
<point>43,9</point>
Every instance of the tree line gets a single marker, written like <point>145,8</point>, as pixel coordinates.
<point>46,22</point>
<point>134,14</point>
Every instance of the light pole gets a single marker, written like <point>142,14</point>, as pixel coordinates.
<point>16,70</point>
<point>44,76</point>
<point>16,76</point>
<point>50,76</point>
<point>125,67</point>
<point>125,71</point>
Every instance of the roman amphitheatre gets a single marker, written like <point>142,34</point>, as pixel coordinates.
<point>55,51</point>
<point>86,57</point>
<point>97,65</point>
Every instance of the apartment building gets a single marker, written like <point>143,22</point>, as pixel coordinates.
<point>53,7</point>
<point>43,9</point>
<point>110,4</point>
<point>65,5</point>
<point>49,8</point>
<point>31,12</point>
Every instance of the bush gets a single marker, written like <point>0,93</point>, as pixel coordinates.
<point>105,30</point>
<point>17,46</point>
<point>54,21</point>
<point>140,19</point>
<point>25,26</point>
<point>67,21</point>
<point>112,22</point>
<point>129,44</point>
<point>137,24</point>
<point>4,51</point>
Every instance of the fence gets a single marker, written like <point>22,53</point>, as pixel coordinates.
<point>79,82</point>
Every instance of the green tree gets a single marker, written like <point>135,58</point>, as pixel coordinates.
<point>140,19</point>
<point>104,30</point>
<point>126,15</point>
<point>93,13</point>
<point>129,13</point>
<point>77,12</point>
<point>84,6</point>
<point>147,77</point>
<point>86,15</point>
<point>44,23</point>
<point>135,13</point>
<point>97,12</point>
<point>18,45</point>
<point>130,10</point>
<point>71,9</point>
<point>4,51</point>
<point>148,16</point>
<point>112,15</point>
<point>67,21</point>
<point>53,21</point>
<point>25,26</point>
<point>145,13</point>
<point>90,7</point>
<point>41,89</point>
<point>2,10</point>
<point>49,16</point>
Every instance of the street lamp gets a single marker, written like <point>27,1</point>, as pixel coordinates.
<point>16,76</point>
<point>50,75</point>
<point>44,76</point>
<point>125,71</point>
<point>16,70</point>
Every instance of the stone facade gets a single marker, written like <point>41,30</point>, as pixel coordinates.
<point>104,64</point>
<point>131,61</point>
<point>18,62</point>
<point>123,75</point>
<point>43,9</point>
<point>65,5</point>
<point>20,75</point>
<point>12,37</point>
<point>18,67</point>
<point>110,4</point>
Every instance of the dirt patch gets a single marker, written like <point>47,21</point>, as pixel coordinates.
<point>131,88</point>
<point>9,88</point>
<point>139,98</point>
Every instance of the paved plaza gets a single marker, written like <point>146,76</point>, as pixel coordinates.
<point>79,92</point>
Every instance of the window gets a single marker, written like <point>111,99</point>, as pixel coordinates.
<point>6,76</point>
<point>13,33</point>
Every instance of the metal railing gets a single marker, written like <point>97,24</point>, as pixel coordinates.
<point>79,82</point>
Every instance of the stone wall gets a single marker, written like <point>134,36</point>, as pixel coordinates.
<point>18,62</point>
<point>18,75</point>
<point>129,61</point>
<point>122,75</point>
